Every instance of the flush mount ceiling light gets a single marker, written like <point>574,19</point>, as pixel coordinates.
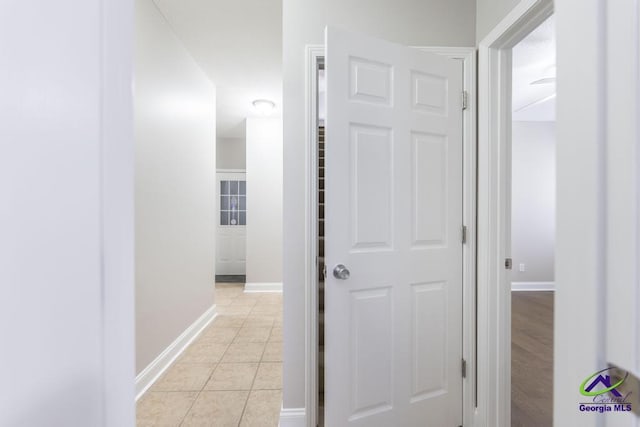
<point>264,107</point>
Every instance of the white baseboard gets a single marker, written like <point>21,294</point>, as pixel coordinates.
<point>151,373</point>
<point>293,417</point>
<point>533,286</point>
<point>263,287</point>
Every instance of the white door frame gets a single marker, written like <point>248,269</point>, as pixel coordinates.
<point>315,53</point>
<point>494,216</point>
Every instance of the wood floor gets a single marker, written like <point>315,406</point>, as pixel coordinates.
<point>531,359</point>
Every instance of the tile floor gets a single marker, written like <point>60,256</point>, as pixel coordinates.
<point>231,375</point>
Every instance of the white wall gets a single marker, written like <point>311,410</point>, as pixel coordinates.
<point>66,214</point>
<point>598,244</point>
<point>580,309</point>
<point>533,201</point>
<point>231,153</point>
<point>174,186</point>
<point>489,13</point>
<point>264,201</point>
<point>422,23</point>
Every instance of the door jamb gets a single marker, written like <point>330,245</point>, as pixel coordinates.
<point>494,149</point>
<point>313,53</point>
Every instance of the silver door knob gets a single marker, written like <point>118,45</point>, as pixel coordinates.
<point>341,272</point>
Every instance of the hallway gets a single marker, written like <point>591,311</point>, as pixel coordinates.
<point>231,375</point>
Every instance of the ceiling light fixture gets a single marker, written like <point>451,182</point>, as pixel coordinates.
<point>264,107</point>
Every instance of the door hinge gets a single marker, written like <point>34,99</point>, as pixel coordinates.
<point>324,271</point>
<point>464,368</point>
<point>508,263</point>
<point>464,234</point>
<point>465,99</point>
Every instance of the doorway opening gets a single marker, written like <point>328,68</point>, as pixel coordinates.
<point>209,181</point>
<point>533,182</point>
<point>495,259</point>
<point>231,233</point>
<point>320,151</point>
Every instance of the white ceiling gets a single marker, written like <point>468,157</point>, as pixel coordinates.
<point>238,44</point>
<point>534,58</point>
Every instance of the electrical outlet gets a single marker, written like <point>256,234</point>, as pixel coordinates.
<point>522,269</point>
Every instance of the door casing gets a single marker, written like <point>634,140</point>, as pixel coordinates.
<point>315,54</point>
<point>494,210</point>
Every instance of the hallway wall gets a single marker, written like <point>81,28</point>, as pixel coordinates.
<point>264,201</point>
<point>425,23</point>
<point>66,213</point>
<point>231,153</point>
<point>175,134</point>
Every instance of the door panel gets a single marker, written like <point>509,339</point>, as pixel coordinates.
<point>371,342</point>
<point>429,189</point>
<point>393,329</point>
<point>371,182</point>
<point>428,333</point>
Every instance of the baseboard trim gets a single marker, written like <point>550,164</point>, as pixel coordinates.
<point>231,278</point>
<point>533,286</point>
<point>263,287</point>
<point>151,373</point>
<point>293,417</point>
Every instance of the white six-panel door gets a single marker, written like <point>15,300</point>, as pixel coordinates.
<point>393,337</point>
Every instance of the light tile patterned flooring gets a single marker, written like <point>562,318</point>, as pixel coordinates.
<point>231,375</point>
